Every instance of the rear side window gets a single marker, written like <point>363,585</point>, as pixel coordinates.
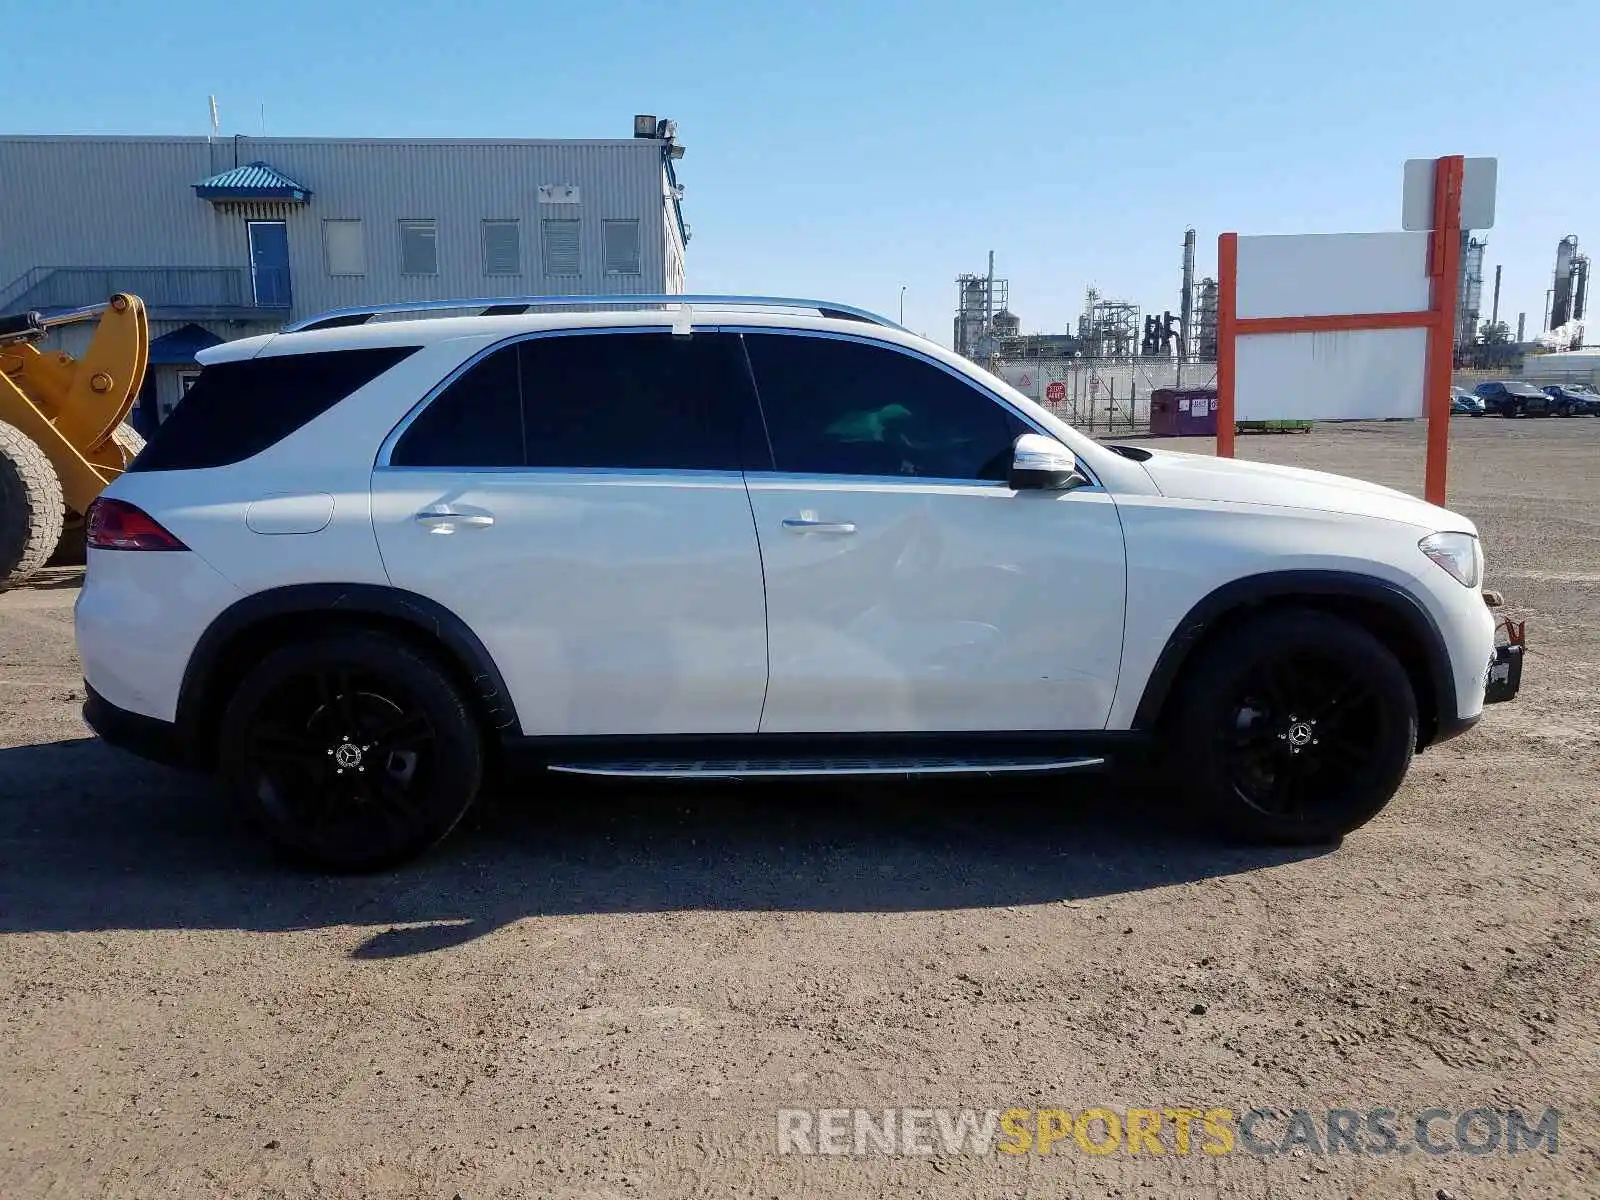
<point>634,400</point>
<point>235,410</point>
<point>628,401</point>
<point>475,421</point>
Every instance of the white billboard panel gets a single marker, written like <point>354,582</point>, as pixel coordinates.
<point>1342,376</point>
<point>1328,274</point>
<point>1479,178</point>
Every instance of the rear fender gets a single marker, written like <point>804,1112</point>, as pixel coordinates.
<point>209,674</point>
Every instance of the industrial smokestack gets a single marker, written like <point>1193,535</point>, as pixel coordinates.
<point>1561,293</point>
<point>1186,297</point>
<point>1470,302</point>
<point>1522,327</point>
<point>1494,314</point>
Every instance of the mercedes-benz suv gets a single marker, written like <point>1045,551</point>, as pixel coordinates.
<point>371,558</point>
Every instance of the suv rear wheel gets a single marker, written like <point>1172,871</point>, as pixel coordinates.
<point>352,751</point>
<point>1297,727</point>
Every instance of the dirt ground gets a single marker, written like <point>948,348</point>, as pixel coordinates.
<point>612,994</point>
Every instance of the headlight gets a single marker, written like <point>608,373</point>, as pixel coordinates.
<point>1457,553</point>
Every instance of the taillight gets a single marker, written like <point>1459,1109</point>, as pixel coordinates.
<point>118,525</point>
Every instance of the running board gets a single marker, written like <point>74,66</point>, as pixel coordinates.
<point>803,768</point>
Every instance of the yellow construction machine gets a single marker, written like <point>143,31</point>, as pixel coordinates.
<point>62,437</point>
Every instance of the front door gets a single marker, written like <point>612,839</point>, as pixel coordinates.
<point>909,589</point>
<point>578,501</point>
<point>269,263</point>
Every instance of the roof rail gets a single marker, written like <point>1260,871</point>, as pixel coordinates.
<point>504,305</point>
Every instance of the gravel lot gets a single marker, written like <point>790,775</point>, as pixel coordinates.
<point>611,993</point>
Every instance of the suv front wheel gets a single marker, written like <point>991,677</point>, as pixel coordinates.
<point>351,751</point>
<point>1296,727</point>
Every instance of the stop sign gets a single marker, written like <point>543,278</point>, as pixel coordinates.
<point>1055,392</point>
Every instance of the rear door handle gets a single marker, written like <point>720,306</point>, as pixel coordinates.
<point>446,520</point>
<point>811,525</point>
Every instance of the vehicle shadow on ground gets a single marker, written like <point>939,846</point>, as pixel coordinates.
<point>51,578</point>
<point>91,839</point>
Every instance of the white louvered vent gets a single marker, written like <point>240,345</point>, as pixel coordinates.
<point>502,248</point>
<point>561,250</point>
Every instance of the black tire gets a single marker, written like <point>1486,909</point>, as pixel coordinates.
<point>1296,727</point>
<point>351,751</point>
<point>32,507</point>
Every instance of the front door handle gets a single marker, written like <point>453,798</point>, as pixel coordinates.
<point>811,525</point>
<point>446,520</point>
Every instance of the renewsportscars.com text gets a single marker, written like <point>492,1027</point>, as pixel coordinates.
<point>1215,1131</point>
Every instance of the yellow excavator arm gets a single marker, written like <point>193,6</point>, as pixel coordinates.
<point>73,409</point>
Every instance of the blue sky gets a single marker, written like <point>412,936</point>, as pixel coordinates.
<point>846,149</point>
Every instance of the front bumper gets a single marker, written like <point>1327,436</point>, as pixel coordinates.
<point>1503,677</point>
<point>1505,674</point>
<point>136,733</point>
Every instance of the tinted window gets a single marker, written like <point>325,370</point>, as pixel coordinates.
<point>476,421</point>
<point>237,409</point>
<point>639,400</point>
<point>847,408</point>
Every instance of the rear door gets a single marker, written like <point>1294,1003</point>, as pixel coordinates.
<point>578,500</point>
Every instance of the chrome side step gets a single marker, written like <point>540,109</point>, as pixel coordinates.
<point>800,768</point>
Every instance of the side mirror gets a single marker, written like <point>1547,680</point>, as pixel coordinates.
<point>1043,464</point>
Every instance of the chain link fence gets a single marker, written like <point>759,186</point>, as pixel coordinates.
<point>1104,395</point>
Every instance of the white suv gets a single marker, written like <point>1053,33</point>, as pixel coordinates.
<point>367,560</point>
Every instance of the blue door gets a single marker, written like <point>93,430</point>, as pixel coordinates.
<point>269,263</point>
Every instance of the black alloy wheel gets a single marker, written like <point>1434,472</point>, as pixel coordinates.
<point>1298,727</point>
<point>1295,737</point>
<point>352,751</point>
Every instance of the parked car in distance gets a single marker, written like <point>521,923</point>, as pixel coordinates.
<point>1510,398</point>
<point>1466,403</point>
<point>364,564</point>
<point>1573,400</point>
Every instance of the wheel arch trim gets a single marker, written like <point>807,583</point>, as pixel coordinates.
<point>425,616</point>
<point>1251,591</point>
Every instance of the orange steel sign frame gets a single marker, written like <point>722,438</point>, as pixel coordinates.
<point>1439,319</point>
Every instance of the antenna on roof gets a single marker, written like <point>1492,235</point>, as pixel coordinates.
<point>216,127</point>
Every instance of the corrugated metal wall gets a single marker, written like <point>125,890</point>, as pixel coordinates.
<point>130,202</point>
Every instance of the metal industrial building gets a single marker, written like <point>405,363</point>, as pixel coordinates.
<point>228,237</point>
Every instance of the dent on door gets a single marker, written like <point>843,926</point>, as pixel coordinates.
<point>949,608</point>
